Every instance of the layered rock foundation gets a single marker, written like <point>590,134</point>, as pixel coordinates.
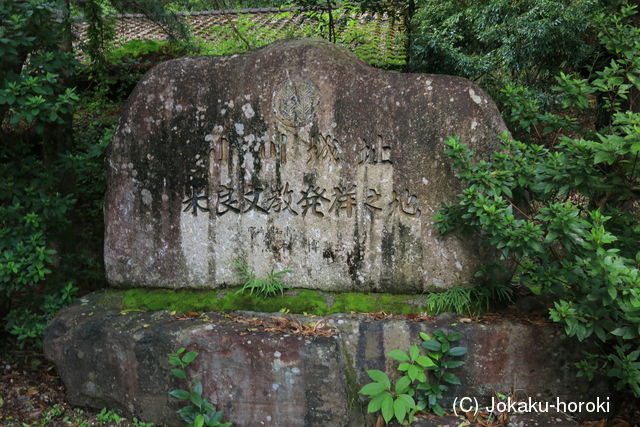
<point>108,357</point>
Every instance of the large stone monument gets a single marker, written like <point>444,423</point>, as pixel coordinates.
<point>298,156</point>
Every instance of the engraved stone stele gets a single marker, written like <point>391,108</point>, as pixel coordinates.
<point>297,156</point>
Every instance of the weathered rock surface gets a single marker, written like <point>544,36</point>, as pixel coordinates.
<point>109,358</point>
<point>541,420</point>
<point>298,156</point>
<point>119,360</point>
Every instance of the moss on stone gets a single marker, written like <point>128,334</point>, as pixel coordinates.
<point>367,303</point>
<point>295,301</point>
<point>352,384</point>
<point>167,299</point>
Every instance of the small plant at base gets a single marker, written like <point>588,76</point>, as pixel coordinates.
<point>407,399</point>
<point>137,423</point>
<point>106,416</point>
<point>265,287</point>
<point>382,398</point>
<point>49,413</point>
<point>472,301</point>
<point>76,418</point>
<point>443,355</point>
<point>200,412</point>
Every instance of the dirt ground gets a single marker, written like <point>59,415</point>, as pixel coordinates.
<point>32,394</point>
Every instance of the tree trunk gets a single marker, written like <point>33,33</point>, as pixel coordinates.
<point>409,11</point>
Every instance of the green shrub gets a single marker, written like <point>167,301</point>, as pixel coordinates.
<point>33,93</point>
<point>37,167</point>
<point>37,280</point>
<point>30,213</point>
<point>569,214</point>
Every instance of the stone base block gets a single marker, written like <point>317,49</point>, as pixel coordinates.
<point>260,373</point>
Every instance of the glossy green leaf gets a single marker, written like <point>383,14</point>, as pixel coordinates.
<point>398,355</point>
<point>372,389</point>
<point>180,394</point>
<point>432,345</point>
<point>376,402</point>
<point>387,408</point>
<point>409,403</point>
<point>425,361</point>
<point>450,378</point>
<point>414,352</point>
<point>196,398</point>
<point>450,364</point>
<point>403,367</point>
<point>197,388</point>
<point>413,372</point>
<point>399,410</point>
<point>179,373</point>
<point>379,377</point>
<point>457,351</point>
<point>424,336</point>
<point>189,357</point>
<point>402,384</point>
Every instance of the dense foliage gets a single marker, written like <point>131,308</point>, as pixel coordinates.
<point>568,212</point>
<point>498,41</point>
<point>51,166</point>
<point>33,104</point>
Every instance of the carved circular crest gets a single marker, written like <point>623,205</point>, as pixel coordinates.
<point>295,102</point>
